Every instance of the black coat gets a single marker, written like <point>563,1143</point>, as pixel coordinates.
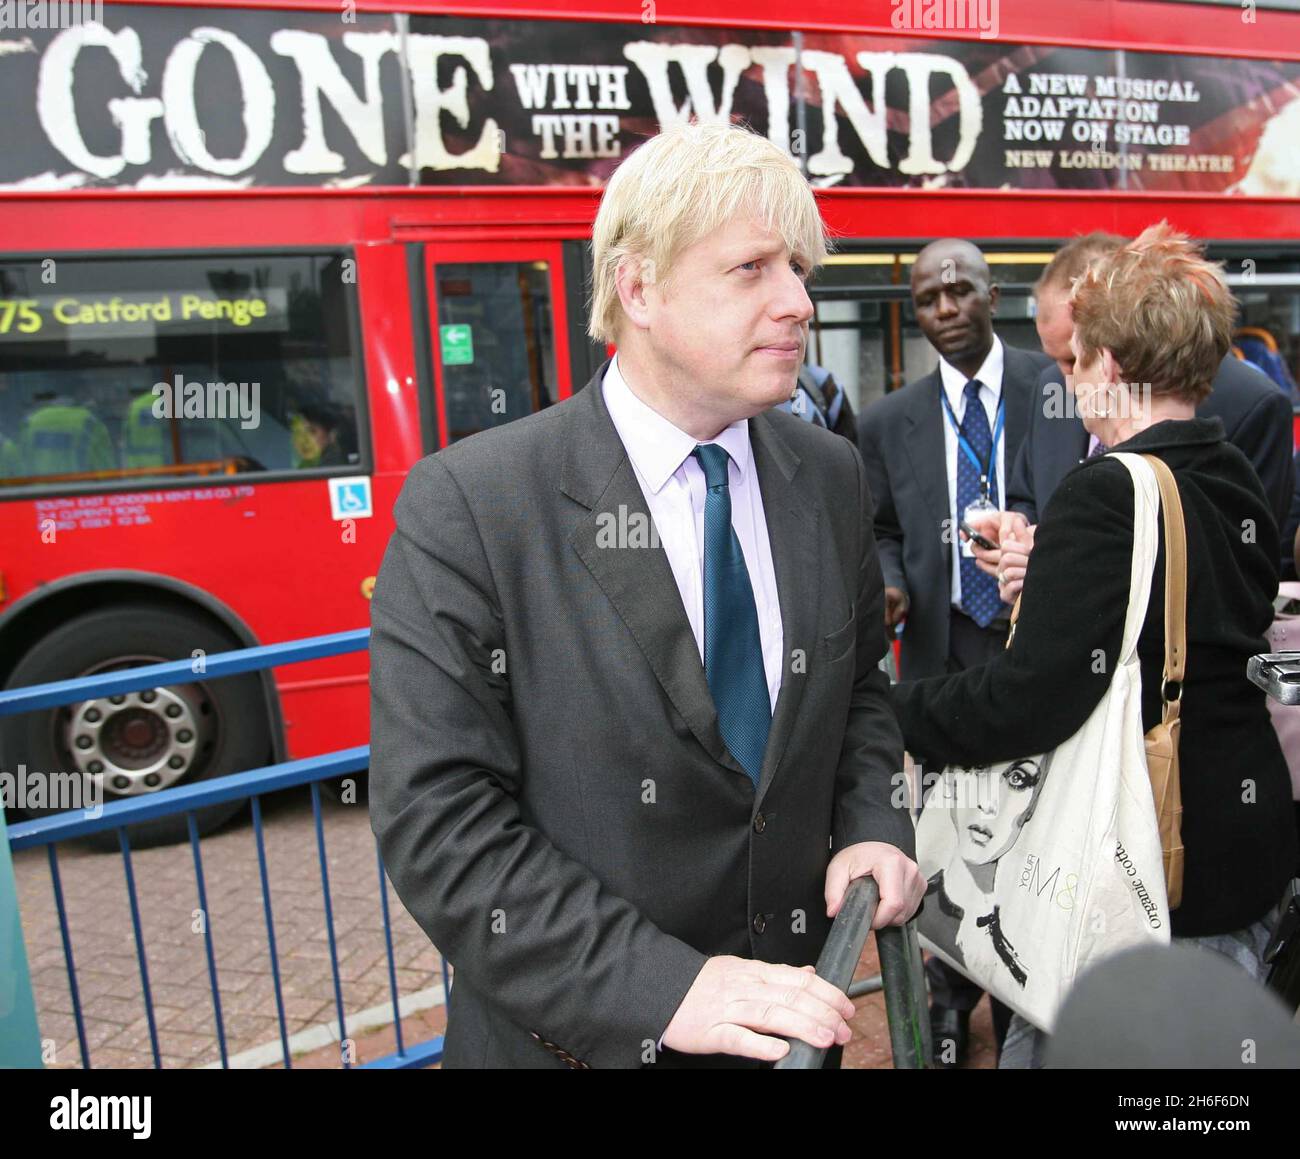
<point>1256,418</point>
<point>1290,527</point>
<point>1238,825</point>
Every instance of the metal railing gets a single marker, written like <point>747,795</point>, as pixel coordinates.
<point>186,799</point>
<point>902,978</point>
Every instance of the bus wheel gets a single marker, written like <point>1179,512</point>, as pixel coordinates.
<point>126,746</point>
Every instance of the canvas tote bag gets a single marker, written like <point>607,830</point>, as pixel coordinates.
<point>1041,867</point>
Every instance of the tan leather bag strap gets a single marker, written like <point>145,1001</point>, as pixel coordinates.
<point>1175,581</point>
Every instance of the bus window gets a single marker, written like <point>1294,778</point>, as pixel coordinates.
<point>494,334</point>
<point>172,367</point>
<point>1268,322</point>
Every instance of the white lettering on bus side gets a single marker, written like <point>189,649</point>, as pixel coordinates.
<point>544,88</point>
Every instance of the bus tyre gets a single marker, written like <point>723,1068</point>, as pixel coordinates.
<point>137,743</point>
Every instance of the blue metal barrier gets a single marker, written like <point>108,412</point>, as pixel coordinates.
<point>251,785</point>
<point>20,1038</point>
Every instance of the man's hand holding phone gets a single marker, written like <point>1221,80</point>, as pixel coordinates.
<point>1007,560</point>
<point>976,538</point>
<point>982,531</point>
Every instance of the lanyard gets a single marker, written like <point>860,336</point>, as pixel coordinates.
<point>986,470</point>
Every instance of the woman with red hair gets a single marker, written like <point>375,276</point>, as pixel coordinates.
<point>1152,322</point>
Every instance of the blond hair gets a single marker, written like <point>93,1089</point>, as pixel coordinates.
<point>1160,308</point>
<point>1073,258</point>
<point>683,185</point>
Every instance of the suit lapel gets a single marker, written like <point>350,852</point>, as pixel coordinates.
<point>793,530</point>
<point>638,581</point>
<point>1017,387</point>
<point>923,438</point>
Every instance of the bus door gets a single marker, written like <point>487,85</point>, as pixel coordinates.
<point>497,338</point>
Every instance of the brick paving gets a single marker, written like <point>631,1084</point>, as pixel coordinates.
<point>869,1048</point>
<point>109,978</point>
<point>103,944</point>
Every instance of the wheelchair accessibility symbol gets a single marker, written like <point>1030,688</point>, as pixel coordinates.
<point>350,498</point>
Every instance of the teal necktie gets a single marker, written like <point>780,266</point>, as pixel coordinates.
<point>733,652</point>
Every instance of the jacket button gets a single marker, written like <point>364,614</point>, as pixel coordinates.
<point>760,923</point>
<point>760,823</point>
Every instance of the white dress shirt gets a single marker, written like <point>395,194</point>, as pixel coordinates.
<point>954,386</point>
<point>673,484</point>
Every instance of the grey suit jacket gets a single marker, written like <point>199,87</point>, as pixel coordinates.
<point>552,797</point>
<point>901,438</point>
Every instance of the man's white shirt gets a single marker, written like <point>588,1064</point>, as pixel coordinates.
<point>674,487</point>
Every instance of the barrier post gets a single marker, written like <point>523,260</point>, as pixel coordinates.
<point>905,1005</point>
<point>838,960</point>
<point>20,1036</point>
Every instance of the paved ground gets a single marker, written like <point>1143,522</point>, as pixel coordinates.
<point>109,977</point>
<point>104,947</point>
<point>869,1049</point>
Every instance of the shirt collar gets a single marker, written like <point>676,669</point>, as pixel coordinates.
<point>989,373</point>
<point>656,446</point>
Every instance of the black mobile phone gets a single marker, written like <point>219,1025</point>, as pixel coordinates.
<point>976,538</point>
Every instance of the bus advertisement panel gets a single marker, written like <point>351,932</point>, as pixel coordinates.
<point>266,98</point>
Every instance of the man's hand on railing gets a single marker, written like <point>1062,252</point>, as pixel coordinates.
<point>735,1005</point>
<point>901,884</point>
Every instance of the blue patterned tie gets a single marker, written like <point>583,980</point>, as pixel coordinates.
<point>733,653</point>
<point>979,592</point>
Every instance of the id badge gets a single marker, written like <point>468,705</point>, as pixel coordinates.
<point>976,510</point>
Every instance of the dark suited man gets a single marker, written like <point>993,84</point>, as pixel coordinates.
<point>937,452</point>
<point>1256,417</point>
<point>581,628</point>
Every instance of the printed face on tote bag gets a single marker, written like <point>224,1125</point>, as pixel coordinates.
<point>990,805</point>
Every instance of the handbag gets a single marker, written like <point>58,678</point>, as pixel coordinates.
<point>1043,866</point>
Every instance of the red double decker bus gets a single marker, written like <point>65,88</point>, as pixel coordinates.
<point>258,258</point>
